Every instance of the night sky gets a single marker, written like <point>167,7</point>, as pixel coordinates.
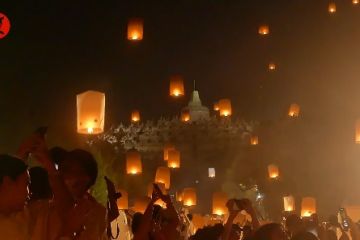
<point>56,50</point>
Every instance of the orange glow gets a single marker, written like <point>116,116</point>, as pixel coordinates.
<point>90,112</point>
<point>163,176</point>
<point>254,140</point>
<point>219,203</point>
<point>179,195</point>
<point>141,204</point>
<point>273,171</point>
<point>264,30</point>
<point>185,116</point>
<point>332,8</point>
<point>308,206</point>
<point>294,110</point>
<point>357,132</point>
<point>133,162</point>
<point>189,197</point>
<point>355,2</point>
<point>272,66</point>
<point>289,203</point>
<point>135,29</point>
<point>167,148</point>
<point>225,107</point>
<point>176,86</point>
<point>216,106</point>
<point>174,159</point>
<point>123,201</point>
<point>135,116</point>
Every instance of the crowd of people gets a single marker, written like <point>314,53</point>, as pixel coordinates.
<point>52,202</point>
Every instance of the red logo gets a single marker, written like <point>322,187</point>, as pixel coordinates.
<point>4,25</point>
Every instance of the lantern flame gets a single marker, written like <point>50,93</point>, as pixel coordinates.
<point>90,130</point>
<point>332,8</point>
<point>355,2</point>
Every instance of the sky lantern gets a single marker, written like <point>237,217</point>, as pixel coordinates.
<point>185,116</point>
<point>332,8</point>
<point>189,197</point>
<point>219,203</point>
<point>254,140</point>
<point>294,110</point>
<point>163,176</point>
<point>212,172</point>
<point>355,2</point>
<point>198,221</point>
<point>135,29</point>
<point>264,30</point>
<point>179,195</point>
<point>133,162</point>
<point>289,203</point>
<point>123,201</point>
<point>273,171</point>
<point>90,112</point>
<point>308,206</point>
<point>225,107</point>
<point>167,148</point>
<point>174,158</point>
<point>177,86</point>
<point>357,132</point>
<point>216,106</point>
<point>141,204</point>
<point>135,116</point>
<point>272,66</point>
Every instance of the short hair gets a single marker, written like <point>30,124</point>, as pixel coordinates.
<point>11,167</point>
<point>85,160</point>
<point>293,220</point>
<point>304,236</point>
<point>265,231</point>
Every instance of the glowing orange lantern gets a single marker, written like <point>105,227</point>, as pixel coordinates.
<point>216,106</point>
<point>264,30</point>
<point>332,8</point>
<point>225,107</point>
<point>189,197</point>
<point>141,204</point>
<point>289,203</point>
<point>123,201</point>
<point>135,30</point>
<point>90,112</point>
<point>355,2</point>
<point>273,171</point>
<point>163,176</point>
<point>167,148</point>
<point>272,66</point>
<point>294,110</point>
<point>219,203</point>
<point>185,116</point>
<point>308,206</point>
<point>254,140</point>
<point>177,86</point>
<point>198,221</point>
<point>179,195</point>
<point>135,116</point>
<point>174,159</point>
<point>357,132</point>
<point>133,162</point>
<point>212,172</point>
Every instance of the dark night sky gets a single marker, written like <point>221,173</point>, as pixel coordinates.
<point>56,50</point>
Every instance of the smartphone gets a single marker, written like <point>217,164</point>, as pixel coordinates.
<point>344,219</point>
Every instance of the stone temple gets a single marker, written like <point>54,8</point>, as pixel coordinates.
<point>195,108</point>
